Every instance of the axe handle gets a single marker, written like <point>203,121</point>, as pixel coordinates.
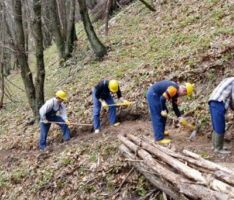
<point>76,124</point>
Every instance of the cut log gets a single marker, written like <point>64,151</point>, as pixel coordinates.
<point>183,172</point>
<point>151,175</point>
<point>179,166</point>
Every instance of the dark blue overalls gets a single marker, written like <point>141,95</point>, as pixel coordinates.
<point>156,105</point>
<point>44,128</point>
<point>97,108</point>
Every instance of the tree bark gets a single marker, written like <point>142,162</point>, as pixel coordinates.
<point>40,74</point>
<point>55,27</point>
<point>108,8</point>
<point>71,32</point>
<point>98,48</point>
<point>22,57</point>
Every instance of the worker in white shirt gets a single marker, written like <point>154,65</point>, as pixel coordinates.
<point>53,111</point>
<point>221,99</point>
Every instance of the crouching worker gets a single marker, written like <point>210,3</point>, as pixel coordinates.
<point>220,100</point>
<point>54,111</point>
<point>102,98</point>
<point>157,96</point>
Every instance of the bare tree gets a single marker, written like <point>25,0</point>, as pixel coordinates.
<point>34,93</point>
<point>70,28</point>
<point>40,75</point>
<point>98,48</point>
<point>56,30</point>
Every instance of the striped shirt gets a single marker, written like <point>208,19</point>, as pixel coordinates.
<point>224,92</point>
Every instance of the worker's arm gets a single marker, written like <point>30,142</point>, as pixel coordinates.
<point>63,112</point>
<point>99,89</point>
<point>48,106</point>
<point>167,95</point>
<point>119,94</point>
<point>175,107</point>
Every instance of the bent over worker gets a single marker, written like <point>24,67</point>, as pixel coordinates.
<point>157,95</point>
<point>102,98</point>
<point>54,111</point>
<point>220,100</point>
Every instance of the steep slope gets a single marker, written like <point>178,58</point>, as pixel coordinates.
<point>191,40</point>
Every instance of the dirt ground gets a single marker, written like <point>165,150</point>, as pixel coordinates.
<point>201,144</point>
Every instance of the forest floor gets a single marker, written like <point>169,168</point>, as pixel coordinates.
<point>180,41</point>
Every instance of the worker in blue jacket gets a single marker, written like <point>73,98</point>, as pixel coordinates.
<point>54,111</point>
<point>157,95</point>
<point>102,98</point>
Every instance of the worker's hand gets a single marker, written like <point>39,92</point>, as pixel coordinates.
<point>45,121</point>
<point>68,122</point>
<point>183,121</point>
<point>127,103</point>
<point>105,105</point>
<point>164,113</point>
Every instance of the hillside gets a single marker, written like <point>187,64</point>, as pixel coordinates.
<point>192,40</point>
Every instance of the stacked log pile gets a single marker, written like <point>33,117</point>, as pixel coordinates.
<point>184,175</point>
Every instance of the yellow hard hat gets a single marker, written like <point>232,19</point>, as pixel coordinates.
<point>62,95</point>
<point>189,88</point>
<point>113,86</point>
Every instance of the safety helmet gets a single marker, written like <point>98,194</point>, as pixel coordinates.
<point>113,86</point>
<point>62,95</point>
<point>189,88</point>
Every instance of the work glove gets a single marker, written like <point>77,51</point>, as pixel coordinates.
<point>45,121</point>
<point>127,103</point>
<point>68,122</point>
<point>183,121</point>
<point>164,113</point>
<point>105,105</point>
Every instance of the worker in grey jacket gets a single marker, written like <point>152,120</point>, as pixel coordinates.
<point>220,100</point>
<point>53,111</point>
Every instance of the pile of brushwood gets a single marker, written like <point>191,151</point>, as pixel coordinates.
<point>179,175</point>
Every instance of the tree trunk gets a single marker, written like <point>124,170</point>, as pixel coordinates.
<point>55,26</point>
<point>40,76</point>
<point>71,32</point>
<point>108,8</point>
<point>98,48</point>
<point>22,57</point>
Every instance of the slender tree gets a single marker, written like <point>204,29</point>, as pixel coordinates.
<point>22,57</point>
<point>70,26</point>
<point>34,93</point>
<point>40,75</point>
<point>98,48</point>
<point>56,30</point>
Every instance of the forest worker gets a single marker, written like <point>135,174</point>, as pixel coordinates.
<point>157,95</point>
<point>54,111</point>
<point>102,97</point>
<point>220,100</point>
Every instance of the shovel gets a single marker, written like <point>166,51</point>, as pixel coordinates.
<point>76,124</point>
<point>190,126</point>
<point>122,104</point>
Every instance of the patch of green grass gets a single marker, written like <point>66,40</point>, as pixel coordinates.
<point>18,175</point>
<point>44,178</point>
<point>3,179</point>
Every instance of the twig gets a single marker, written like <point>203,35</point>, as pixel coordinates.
<point>148,5</point>
<point>15,85</point>
<point>149,194</point>
<point>121,185</point>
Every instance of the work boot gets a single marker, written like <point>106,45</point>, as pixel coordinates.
<point>116,124</point>
<point>218,144</point>
<point>164,141</point>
